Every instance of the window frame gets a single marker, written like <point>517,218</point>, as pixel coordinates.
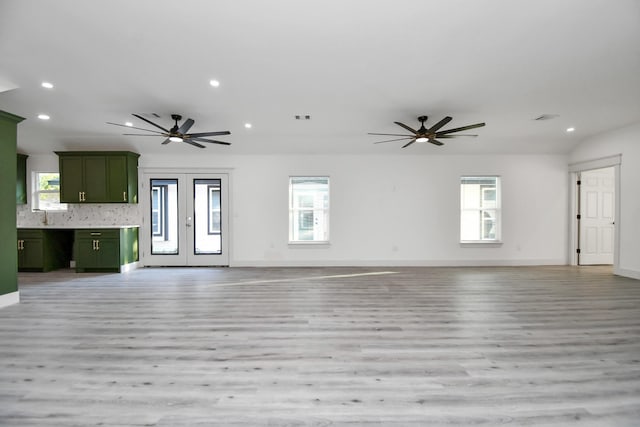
<point>36,192</point>
<point>321,206</point>
<point>494,209</point>
<point>211,230</point>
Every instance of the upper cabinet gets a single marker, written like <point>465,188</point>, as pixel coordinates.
<point>98,176</point>
<point>21,180</point>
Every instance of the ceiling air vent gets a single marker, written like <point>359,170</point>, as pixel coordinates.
<point>546,116</point>
<point>302,117</point>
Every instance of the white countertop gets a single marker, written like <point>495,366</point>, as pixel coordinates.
<point>77,226</point>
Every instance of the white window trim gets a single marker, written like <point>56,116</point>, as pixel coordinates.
<point>35,193</point>
<point>487,242</point>
<point>309,243</point>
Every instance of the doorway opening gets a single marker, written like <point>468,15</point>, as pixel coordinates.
<point>595,224</point>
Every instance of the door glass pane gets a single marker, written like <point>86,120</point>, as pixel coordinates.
<point>207,223</point>
<point>164,216</point>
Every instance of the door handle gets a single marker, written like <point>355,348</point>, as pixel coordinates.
<point>124,196</point>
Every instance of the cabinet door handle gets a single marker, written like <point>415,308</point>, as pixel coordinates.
<point>97,245</point>
<point>124,196</point>
<point>93,245</point>
<point>20,245</point>
<point>79,196</point>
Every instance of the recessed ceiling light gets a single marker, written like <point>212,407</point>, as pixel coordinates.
<point>248,125</point>
<point>570,129</point>
<point>214,83</point>
<point>128,124</point>
<point>43,117</point>
<point>47,85</point>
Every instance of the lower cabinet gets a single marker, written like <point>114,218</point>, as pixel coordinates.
<point>105,249</point>
<point>43,250</point>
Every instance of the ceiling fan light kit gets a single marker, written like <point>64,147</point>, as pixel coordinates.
<point>178,133</point>
<point>427,135</point>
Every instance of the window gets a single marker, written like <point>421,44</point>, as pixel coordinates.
<point>159,211</point>
<point>214,209</point>
<point>308,209</point>
<point>480,209</point>
<point>46,192</point>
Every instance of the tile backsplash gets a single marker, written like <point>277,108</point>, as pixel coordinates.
<point>81,215</point>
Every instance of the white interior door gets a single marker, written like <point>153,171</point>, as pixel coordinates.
<point>597,213</point>
<point>185,220</point>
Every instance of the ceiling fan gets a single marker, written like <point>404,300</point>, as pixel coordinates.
<point>428,135</point>
<point>177,133</point>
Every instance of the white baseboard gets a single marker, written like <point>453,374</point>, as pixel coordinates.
<point>9,299</point>
<point>398,263</point>
<point>129,267</point>
<point>627,273</point>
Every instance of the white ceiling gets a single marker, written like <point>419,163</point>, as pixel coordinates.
<point>355,66</point>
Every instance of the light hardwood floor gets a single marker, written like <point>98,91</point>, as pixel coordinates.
<point>543,346</point>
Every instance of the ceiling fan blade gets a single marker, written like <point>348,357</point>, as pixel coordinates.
<point>435,142</point>
<point>195,144</point>
<point>151,123</point>
<point>166,141</point>
<point>444,132</point>
<point>438,125</point>
<point>390,140</point>
<point>223,132</point>
<point>213,141</point>
<point>133,127</point>
<point>409,143</point>
<point>390,134</point>
<point>143,134</point>
<point>453,136</point>
<point>406,127</point>
<point>184,128</point>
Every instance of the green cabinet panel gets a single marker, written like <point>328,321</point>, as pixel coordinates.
<point>71,179</point>
<point>30,254</point>
<point>44,249</point>
<point>98,176</point>
<point>95,181</point>
<point>105,249</point>
<point>8,231</point>
<point>122,175</point>
<point>21,180</point>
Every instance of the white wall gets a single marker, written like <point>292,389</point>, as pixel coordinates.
<point>625,141</point>
<point>392,210</point>
<point>385,210</point>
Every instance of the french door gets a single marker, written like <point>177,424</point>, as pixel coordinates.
<point>186,221</point>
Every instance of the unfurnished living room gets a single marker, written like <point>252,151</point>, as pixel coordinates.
<point>320,213</point>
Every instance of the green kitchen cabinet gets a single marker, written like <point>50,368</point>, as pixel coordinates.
<point>43,249</point>
<point>98,176</point>
<point>105,249</point>
<point>21,180</point>
<point>122,178</point>
<point>8,230</point>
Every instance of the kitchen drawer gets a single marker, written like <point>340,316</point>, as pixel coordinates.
<point>28,233</point>
<point>107,233</point>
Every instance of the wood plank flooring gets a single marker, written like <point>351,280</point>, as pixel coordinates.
<point>542,346</point>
